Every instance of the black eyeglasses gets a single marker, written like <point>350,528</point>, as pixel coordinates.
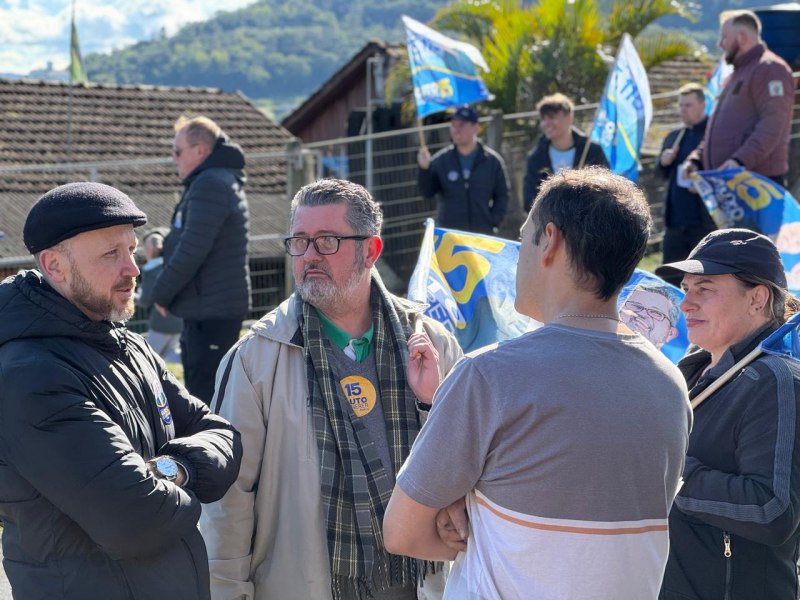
<point>654,313</point>
<point>323,244</point>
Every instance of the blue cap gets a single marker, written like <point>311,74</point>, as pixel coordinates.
<point>466,113</point>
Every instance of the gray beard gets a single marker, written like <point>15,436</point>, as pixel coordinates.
<point>325,295</point>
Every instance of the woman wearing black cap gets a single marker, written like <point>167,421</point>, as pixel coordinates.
<point>734,527</point>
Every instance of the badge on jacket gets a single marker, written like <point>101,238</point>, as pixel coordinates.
<point>453,175</point>
<point>161,401</point>
<point>776,88</point>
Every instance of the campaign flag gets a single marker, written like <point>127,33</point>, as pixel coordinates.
<point>740,198</point>
<point>625,112</point>
<point>468,281</point>
<point>443,70</point>
<point>785,340</point>
<point>715,83</point>
<point>76,72</point>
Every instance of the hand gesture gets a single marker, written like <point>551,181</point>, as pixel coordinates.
<point>423,367</point>
<point>668,156</point>
<point>424,158</point>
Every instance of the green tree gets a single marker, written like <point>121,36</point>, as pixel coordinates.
<point>555,45</point>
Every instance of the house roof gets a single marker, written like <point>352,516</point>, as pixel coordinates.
<point>53,133</point>
<point>338,83</point>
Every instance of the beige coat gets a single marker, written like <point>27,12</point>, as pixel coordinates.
<point>266,538</point>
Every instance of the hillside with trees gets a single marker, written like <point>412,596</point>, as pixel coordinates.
<point>273,49</point>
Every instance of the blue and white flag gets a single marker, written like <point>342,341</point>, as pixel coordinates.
<point>740,198</point>
<point>468,281</point>
<point>784,341</point>
<point>443,70</point>
<point>625,112</point>
<point>715,83</point>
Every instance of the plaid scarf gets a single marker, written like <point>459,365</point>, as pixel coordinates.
<point>355,487</point>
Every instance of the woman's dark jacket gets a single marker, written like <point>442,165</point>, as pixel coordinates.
<point>742,483</point>
<point>206,275</point>
<point>83,405</point>
<point>539,167</point>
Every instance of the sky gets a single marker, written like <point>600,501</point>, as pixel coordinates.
<point>33,32</point>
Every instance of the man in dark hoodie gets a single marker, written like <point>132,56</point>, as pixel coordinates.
<point>206,279</point>
<point>104,456</point>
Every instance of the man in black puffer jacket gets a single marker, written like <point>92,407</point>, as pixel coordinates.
<point>104,456</point>
<point>206,279</point>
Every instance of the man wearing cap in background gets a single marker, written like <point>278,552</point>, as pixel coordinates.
<point>469,177</point>
<point>206,278</point>
<point>104,456</point>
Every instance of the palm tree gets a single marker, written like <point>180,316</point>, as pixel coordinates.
<point>554,45</point>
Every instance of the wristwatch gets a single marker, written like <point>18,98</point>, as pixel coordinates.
<point>165,467</point>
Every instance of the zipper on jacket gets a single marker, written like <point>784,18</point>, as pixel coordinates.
<point>726,545</point>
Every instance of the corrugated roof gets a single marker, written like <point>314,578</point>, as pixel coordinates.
<point>102,127</point>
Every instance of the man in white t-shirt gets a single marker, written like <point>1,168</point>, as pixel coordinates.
<point>569,441</point>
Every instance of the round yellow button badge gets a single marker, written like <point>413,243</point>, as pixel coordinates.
<point>360,394</point>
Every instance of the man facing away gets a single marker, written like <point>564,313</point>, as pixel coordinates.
<point>568,441</point>
<point>206,278</point>
<point>686,218</point>
<point>469,177</point>
<point>104,456</point>
<point>325,395</point>
<point>751,123</point>
<point>561,147</point>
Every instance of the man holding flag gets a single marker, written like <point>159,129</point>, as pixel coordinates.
<point>751,123</point>
<point>469,177</point>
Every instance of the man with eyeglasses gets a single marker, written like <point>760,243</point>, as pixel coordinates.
<point>206,278</point>
<point>653,311</point>
<point>328,394</point>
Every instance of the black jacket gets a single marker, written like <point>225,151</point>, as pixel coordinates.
<point>538,166</point>
<point>478,204</point>
<point>683,208</point>
<point>206,275</point>
<point>742,483</point>
<point>83,405</point>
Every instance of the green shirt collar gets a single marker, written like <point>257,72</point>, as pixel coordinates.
<point>360,347</point>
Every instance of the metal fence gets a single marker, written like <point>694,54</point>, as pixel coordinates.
<point>385,162</point>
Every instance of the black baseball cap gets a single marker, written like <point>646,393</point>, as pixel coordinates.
<point>730,251</point>
<point>74,208</point>
<point>465,113</point>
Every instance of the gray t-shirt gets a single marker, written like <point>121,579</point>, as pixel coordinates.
<point>561,159</point>
<point>557,438</point>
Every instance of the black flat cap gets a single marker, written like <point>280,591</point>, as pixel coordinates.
<point>70,209</point>
<point>729,251</point>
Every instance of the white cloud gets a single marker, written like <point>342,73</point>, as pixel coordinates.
<point>33,32</point>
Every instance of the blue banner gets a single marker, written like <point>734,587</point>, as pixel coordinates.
<point>715,84</point>
<point>468,281</point>
<point>443,70</point>
<point>625,112</point>
<point>740,198</point>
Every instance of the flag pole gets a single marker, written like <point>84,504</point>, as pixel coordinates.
<point>71,88</point>
<point>725,377</point>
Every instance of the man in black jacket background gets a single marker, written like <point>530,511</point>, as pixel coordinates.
<point>206,278</point>
<point>104,456</point>
<point>686,219</point>
<point>469,177</point>
<point>562,146</point>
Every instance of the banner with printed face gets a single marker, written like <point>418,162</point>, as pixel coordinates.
<point>443,70</point>
<point>468,281</point>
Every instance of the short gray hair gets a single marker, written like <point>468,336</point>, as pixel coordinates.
<point>364,215</point>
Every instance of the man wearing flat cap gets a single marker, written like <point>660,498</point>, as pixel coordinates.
<point>469,177</point>
<point>104,456</point>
